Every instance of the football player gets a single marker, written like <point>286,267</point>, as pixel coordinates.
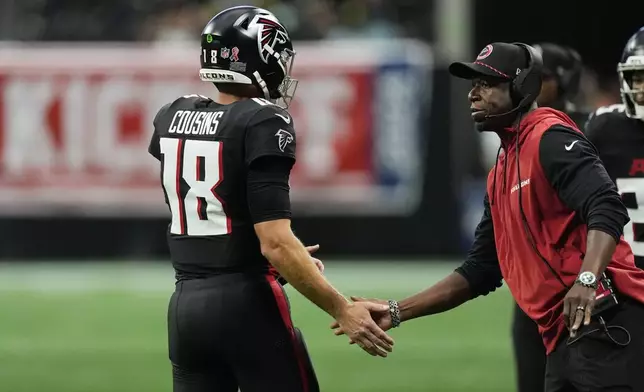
<point>617,131</point>
<point>225,168</point>
<point>561,75</point>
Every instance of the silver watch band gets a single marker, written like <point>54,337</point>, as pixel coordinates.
<point>394,312</point>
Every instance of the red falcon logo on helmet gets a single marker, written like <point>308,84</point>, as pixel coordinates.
<point>270,32</point>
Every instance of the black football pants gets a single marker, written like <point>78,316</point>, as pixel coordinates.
<point>529,353</point>
<point>235,331</point>
<point>599,361</point>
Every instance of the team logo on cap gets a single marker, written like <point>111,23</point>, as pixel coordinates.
<point>485,53</point>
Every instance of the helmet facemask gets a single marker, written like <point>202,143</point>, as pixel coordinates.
<point>282,95</point>
<point>631,80</point>
<point>287,88</point>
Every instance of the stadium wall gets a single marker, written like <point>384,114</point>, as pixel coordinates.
<point>374,174</point>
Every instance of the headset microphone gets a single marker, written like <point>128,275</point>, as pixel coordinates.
<point>522,105</point>
<point>508,113</point>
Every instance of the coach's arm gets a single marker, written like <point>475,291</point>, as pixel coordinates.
<point>479,274</point>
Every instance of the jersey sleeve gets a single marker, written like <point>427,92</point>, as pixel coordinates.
<point>270,132</point>
<point>481,267</point>
<point>268,189</point>
<point>572,166</point>
<point>154,148</point>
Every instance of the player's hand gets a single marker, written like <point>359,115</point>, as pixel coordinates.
<point>381,318</point>
<point>318,263</point>
<point>578,307</point>
<point>356,322</point>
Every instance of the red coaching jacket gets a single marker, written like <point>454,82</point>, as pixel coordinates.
<point>537,246</point>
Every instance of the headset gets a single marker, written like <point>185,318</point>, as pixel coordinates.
<point>525,88</point>
<point>527,85</point>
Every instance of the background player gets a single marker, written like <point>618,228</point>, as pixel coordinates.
<point>561,74</point>
<point>225,168</point>
<point>618,133</point>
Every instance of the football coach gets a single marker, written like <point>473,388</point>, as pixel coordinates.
<point>552,229</point>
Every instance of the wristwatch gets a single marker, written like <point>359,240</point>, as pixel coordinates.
<point>587,279</point>
<point>394,312</point>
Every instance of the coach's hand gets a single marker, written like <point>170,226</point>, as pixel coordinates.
<point>381,317</point>
<point>356,322</point>
<point>318,263</point>
<point>578,307</point>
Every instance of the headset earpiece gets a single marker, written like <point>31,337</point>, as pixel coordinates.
<point>527,85</point>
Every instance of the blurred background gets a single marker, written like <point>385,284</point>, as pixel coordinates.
<point>389,179</point>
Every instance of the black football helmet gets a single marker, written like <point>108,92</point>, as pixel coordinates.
<point>249,45</point>
<point>632,61</point>
<point>565,65</point>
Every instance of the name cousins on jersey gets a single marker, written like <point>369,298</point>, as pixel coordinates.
<point>192,122</point>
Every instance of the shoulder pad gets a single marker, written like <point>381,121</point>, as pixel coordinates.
<point>617,108</point>
<point>604,114</point>
<point>603,117</point>
<point>266,109</point>
<point>264,104</point>
<point>191,101</point>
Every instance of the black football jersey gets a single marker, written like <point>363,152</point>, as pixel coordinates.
<point>205,150</point>
<point>620,142</point>
<point>579,118</point>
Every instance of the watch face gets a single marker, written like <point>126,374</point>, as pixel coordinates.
<point>587,278</point>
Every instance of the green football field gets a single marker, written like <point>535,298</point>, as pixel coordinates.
<point>99,327</point>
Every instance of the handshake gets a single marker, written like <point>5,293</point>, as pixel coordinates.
<point>365,321</point>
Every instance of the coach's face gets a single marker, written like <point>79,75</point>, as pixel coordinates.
<point>487,97</point>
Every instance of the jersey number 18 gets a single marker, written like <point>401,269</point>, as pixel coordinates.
<point>192,170</point>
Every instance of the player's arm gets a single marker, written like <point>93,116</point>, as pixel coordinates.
<point>155,148</point>
<point>573,168</point>
<point>270,153</point>
<point>269,204</point>
<point>480,274</point>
